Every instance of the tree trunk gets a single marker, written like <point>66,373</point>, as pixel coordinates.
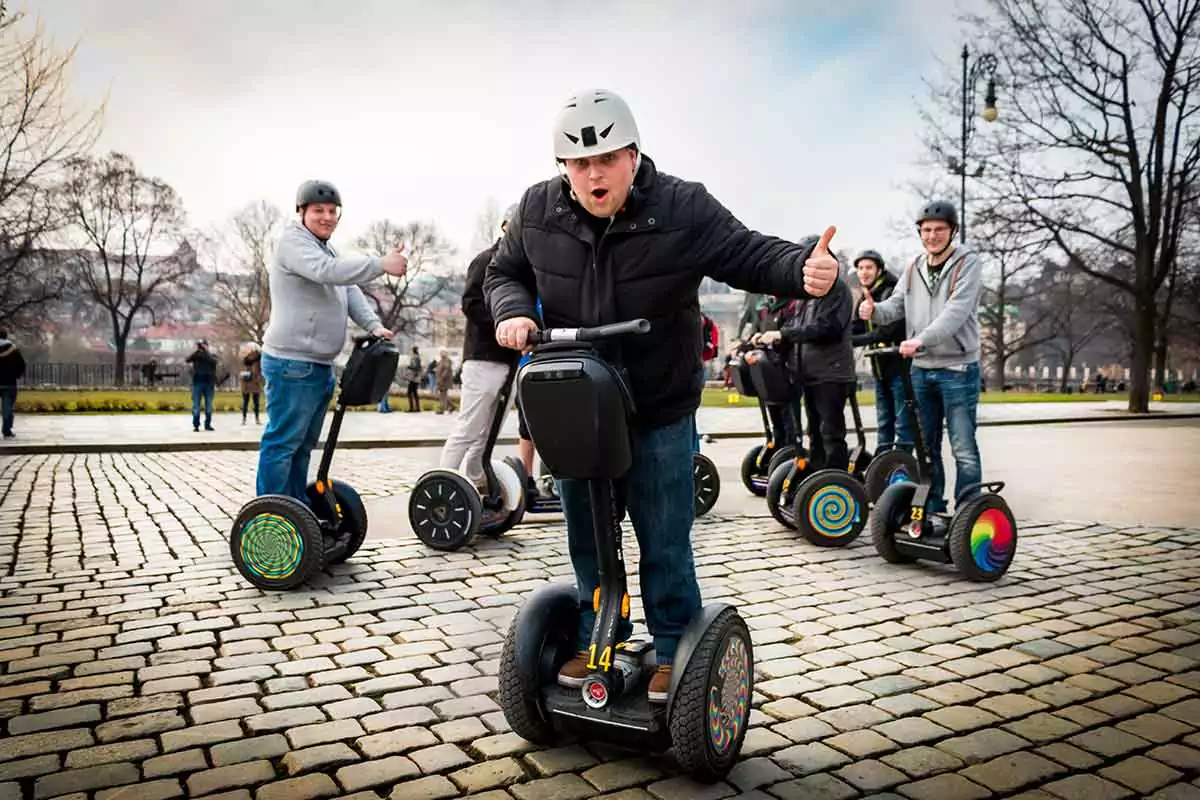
<point>119,364</point>
<point>998,368</point>
<point>1068,360</point>
<point>1160,358</point>
<point>1145,317</point>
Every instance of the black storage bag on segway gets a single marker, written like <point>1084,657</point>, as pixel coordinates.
<point>770,377</point>
<point>743,381</point>
<point>557,390</point>
<point>369,372</point>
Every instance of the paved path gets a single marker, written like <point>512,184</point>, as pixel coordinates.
<point>113,432</point>
<point>135,662</point>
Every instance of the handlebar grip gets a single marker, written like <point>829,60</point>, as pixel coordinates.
<point>547,335</point>
<point>892,350</point>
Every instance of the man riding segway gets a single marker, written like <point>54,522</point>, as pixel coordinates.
<point>611,240</point>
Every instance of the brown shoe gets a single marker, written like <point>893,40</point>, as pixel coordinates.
<point>660,685</point>
<point>574,672</point>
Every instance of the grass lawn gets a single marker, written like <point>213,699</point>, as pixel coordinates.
<point>147,402</point>
<point>176,400</point>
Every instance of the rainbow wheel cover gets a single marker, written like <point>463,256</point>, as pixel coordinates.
<point>271,546</point>
<point>833,512</point>
<point>992,540</point>
<point>729,696</point>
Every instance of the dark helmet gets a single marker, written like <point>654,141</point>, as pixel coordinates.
<point>939,210</point>
<point>871,254</point>
<point>317,192</point>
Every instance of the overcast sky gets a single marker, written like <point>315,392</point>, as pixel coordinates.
<point>796,114</point>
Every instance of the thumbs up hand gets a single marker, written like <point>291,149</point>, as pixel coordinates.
<point>866,309</point>
<point>821,269</point>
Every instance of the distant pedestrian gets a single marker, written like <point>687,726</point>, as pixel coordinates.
<point>204,384</point>
<point>252,381</point>
<point>12,369</point>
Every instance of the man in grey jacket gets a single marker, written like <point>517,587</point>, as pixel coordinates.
<point>939,297</point>
<point>312,291</point>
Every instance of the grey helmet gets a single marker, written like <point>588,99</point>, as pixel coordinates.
<point>939,210</point>
<point>873,255</point>
<point>316,191</point>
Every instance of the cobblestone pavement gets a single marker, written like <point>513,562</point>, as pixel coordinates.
<point>135,662</point>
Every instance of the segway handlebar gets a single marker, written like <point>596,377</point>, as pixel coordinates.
<point>885,351</point>
<point>548,335</point>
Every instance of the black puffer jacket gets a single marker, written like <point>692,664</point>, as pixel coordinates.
<point>868,334</point>
<point>479,343</point>
<point>817,332</point>
<point>648,263</point>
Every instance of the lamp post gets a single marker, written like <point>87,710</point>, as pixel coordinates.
<point>984,64</point>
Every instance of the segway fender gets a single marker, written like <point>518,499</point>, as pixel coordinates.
<point>687,645</point>
<point>545,606</point>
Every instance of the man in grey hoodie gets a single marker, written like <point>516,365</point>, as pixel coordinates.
<point>938,295</point>
<point>312,291</point>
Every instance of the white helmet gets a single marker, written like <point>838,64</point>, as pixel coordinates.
<point>594,122</point>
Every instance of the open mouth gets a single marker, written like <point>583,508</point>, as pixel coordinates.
<point>599,194</point>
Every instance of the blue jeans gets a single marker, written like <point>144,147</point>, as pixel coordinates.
<point>952,396</point>
<point>8,403</point>
<point>894,425</point>
<point>298,395</point>
<point>658,496</point>
<point>202,391</point>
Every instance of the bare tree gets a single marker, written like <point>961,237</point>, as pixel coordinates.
<point>1011,322</point>
<point>487,225</point>
<point>240,252</point>
<point>40,130</point>
<point>1102,144</point>
<point>402,303</point>
<point>1068,294</point>
<point>134,250</point>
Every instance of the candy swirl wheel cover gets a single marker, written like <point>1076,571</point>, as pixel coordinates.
<point>271,546</point>
<point>729,695</point>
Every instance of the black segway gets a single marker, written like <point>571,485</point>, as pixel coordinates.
<point>755,464</point>
<point>830,507</point>
<point>278,542</point>
<point>708,708</point>
<point>979,538</point>
<point>445,509</point>
<point>881,470</point>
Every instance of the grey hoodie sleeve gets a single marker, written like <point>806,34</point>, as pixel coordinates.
<point>360,309</point>
<point>959,306</point>
<point>892,309</point>
<point>299,253</point>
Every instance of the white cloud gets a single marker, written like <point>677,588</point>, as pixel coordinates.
<point>424,114</point>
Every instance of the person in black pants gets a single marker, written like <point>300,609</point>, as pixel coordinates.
<point>815,335</point>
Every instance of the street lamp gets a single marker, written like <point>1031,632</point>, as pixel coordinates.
<point>984,64</point>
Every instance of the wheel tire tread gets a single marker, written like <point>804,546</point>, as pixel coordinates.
<point>880,522</point>
<point>960,537</point>
<point>688,722</point>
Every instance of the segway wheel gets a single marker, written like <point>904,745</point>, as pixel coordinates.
<point>830,508</point>
<point>890,466</point>
<point>711,708</point>
<point>892,513</point>
<point>983,538</point>
<point>785,453</point>
<point>444,510</point>
<point>513,479</point>
<point>352,530</point>
<point>706,484</point>
<point>540,640</point>
<point>753,477</point>
<point>277,543</point>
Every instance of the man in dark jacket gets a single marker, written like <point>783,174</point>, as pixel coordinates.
<point>485,370</point>
<point>894,424</point>
<point>12,369</point>
<point>204,384</point>
<point>612,239</point>
<point>816,337</point>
